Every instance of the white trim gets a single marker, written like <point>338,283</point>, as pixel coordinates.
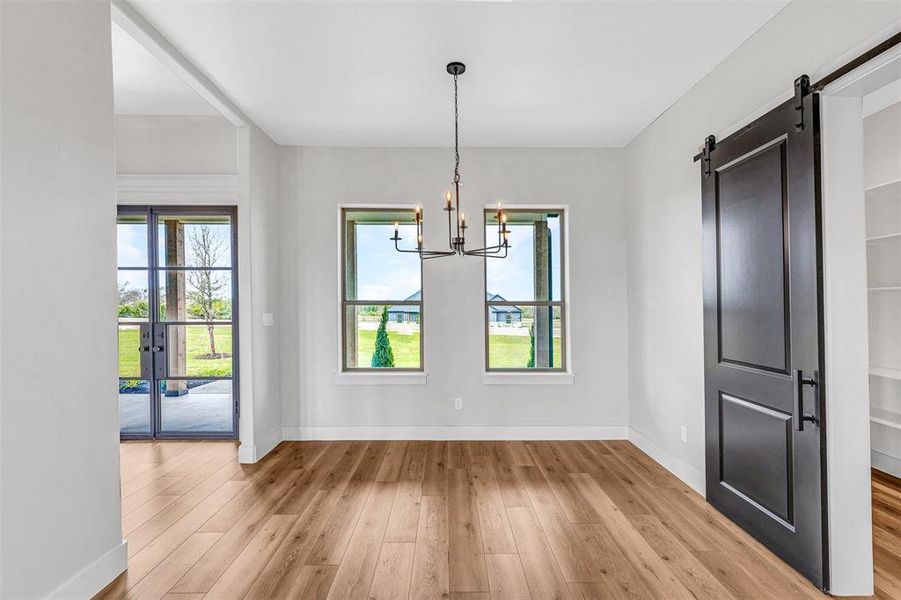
<point>129,19</point>
<point>882,98</point>
<point>678,467</point>
<point>882,187</point>
<point>885,372</point>
<point>511,378</point>
<point>191,188</point>
<point>250,454</point>
<point>387,378</point>
<point>339,272</point>
<point>849,454</point>
<point>467,432</point>
<point>94,577</point>
<point>489,378</point>
<point>885,463</point>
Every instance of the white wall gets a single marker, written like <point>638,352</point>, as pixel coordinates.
<point>882,165</point>
<point>315,181</point>
<point>664,209</point>
<point>259,285</point>
<point>882,147</point>
<point>59,429</point>
<point>180,144</point>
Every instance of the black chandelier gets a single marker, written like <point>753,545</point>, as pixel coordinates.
<point>456,236</point>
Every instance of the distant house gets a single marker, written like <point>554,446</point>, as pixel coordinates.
<point>503,314</point>
<point>409,313</point>
<point>405,313</point>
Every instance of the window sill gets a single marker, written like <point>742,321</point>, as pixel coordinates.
<point>369,378</point>
<point>528,378</point>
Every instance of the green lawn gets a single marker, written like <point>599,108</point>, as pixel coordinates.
<point>512,351</point>
<point>197,345</point>
<point>404,346</point>
<point>507,351</point>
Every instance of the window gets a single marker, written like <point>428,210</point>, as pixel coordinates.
<point>381,291</point>
<point>525,310</point>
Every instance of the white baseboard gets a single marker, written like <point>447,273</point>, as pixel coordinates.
<point>94,577</point>
<point>678,467</point>
<point>251,454</point>
<point>439,432</point>
<point>885,463</point>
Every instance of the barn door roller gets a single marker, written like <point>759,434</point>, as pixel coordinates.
<point>802,88</point>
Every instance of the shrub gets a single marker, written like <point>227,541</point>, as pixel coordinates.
<point>383,356</point>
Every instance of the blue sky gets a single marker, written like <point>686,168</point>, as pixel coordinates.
<point>131,246</point>
<point>385,274</point>
<point>131,250</point>
<point>382,272</point>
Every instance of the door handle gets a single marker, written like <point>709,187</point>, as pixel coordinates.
<point>143,348</point>
<point>157,348</point>
<point>798,383</point>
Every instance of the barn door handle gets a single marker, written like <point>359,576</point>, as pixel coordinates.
<point>798,383</point>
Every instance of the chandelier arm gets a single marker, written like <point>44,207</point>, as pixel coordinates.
<point>481,251</point>
<point>486,254</point>
<point>430,253</point>
<point>425,256</point>
<point>495,248</point>
<point>399,249</point>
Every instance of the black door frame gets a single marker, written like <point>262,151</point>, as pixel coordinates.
<point>152,214</point>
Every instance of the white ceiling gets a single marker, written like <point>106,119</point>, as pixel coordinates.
<point>589,74</point>
<point>143,86</point>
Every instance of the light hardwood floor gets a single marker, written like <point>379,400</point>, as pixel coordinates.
<point>454,520</point>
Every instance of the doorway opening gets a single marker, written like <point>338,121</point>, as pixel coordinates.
<point>882,209</point>
<point>177,322</point>
<point>861,224</point>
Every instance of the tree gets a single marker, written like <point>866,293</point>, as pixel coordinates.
<point>383,356</point>
<point>531,363</point>
<point>205,285</point>
<point>132,301</point>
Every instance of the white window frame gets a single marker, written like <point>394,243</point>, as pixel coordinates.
<point>566,375</point>
<point>371,376</point>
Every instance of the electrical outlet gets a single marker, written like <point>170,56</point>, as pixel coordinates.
<point>458,403</point>
<point>684,433</point>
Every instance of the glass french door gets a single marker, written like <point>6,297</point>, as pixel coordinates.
<point>177,317</point>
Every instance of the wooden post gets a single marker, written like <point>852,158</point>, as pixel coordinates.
<point>350,286</point>
<point>543,320</point>
<point>176,305</point>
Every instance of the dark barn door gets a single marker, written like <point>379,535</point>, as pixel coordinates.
<point>765,438</point>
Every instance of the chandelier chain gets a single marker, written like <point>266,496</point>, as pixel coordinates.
<point>456,135</point>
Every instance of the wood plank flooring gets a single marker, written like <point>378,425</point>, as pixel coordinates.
<point>887,534</point>
<point>445,520</point>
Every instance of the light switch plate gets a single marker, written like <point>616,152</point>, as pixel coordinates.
<point>268,319</point>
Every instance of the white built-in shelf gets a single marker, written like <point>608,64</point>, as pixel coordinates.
<point>885,236</point>
<point>893,288</point>
<point>886,372</point>
<point>891,189</point>
<point>885,417</point>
